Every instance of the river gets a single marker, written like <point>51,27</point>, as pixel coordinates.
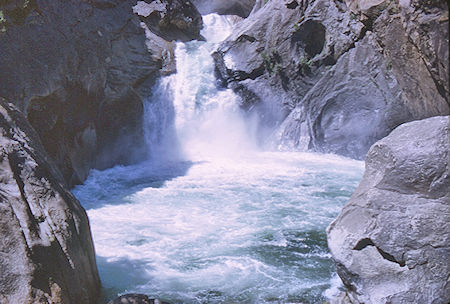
<point>211,217</point>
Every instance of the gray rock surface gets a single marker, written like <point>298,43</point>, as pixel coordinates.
<point>391,242</point>
<point>46,250</point>
<point>171,20</point>
<point>79,71</point>
<point>336,78</point>
<point>240,8</point>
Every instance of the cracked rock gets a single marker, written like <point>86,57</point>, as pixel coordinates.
<point>46,249</point>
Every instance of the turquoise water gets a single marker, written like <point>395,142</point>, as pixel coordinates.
<point>241,230</point>
<point>211,218</point>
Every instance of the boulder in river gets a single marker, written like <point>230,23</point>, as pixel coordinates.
<point>391,242</point>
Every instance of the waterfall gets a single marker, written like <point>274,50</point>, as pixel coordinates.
<point>188,113</point>
<point>211,218</point>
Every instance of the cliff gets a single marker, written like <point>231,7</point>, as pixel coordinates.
<point>336,76</point>
<point>79,71</point>
<point>73,77</point>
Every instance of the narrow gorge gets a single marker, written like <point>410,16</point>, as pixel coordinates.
<point>213,151</point>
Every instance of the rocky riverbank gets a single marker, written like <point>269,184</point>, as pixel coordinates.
<point>391,242</point>
<point>79,71</point>
<point>329,76</point>
<point>47,254</point>
<point>73,75</point>
<point>336,76</point>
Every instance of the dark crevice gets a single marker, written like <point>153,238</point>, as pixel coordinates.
<point>292,5</point>
<point>368,27</point>
<point>242,75</point>
<point>15,163</point>
<point>310,36</point>
<point>368,242</point>
<point>245,37</point>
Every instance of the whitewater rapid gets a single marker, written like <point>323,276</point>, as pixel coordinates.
<point>210,218</point>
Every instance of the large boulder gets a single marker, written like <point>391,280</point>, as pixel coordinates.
<point>47,254</point>
<point>335,78</point>
<point>79,70</point>
<point>391,242</point>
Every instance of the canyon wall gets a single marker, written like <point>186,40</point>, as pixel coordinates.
<point>73,76</point>
<point>336,76</point>
<point>79,71</point>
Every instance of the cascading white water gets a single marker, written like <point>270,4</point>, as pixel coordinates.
<point>208,121</point>
<point>210,218</point>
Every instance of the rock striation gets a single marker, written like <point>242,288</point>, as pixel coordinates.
<point>391,242</point>
<point>336,76</point>
<point>79,71</point>
<point>47,254</point>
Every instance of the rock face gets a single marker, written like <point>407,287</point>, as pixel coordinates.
<point>79,71</point>
<point>336,78</point>
<point>47,254</point>
<point>240,8</point>
<point>171,20</point>
<point>391,242</point>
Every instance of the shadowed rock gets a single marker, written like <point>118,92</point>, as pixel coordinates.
<point>47,254</point>
<point>79,71</point>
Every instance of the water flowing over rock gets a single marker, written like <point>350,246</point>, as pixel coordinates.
<point>47,254</point>
<point>336,78</point>
<point>135,299</point>
<point>79,70</point>
<point>391,242</point>
<point>240,8</point>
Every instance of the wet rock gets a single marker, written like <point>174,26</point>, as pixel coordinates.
<point>240,8</point>
<point>294,62</point>
<point>280,51</point>
<point>136,299</point>
<point>391,241</point>
<point>79,71</point>
<point>47,254</point>
<point>171,20</point>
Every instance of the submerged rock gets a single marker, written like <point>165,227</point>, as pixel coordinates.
<point>47,254</point>
<point>135,299</point>
<point>335,78</point>
<point>79,71</point>
<point>391,242</point>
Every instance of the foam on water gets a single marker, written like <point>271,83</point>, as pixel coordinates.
<point>230,224</point>
<point>247,230</point>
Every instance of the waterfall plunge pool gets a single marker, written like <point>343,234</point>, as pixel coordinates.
<point>219,221</point>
